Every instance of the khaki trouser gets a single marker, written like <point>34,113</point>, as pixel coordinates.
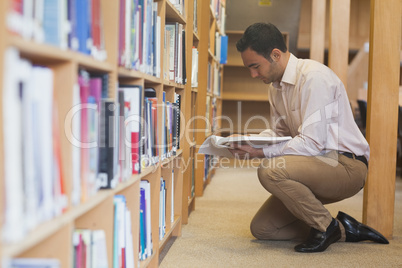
<point>300,186</point>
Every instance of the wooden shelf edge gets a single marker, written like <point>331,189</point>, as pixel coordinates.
<point>131,73</point>
<point>170,159</point>
<point>239,32</point>
<point>196,37</point>
<point>50,53</point>
<point>147,261</point>
<point>162,243</point>
<point>173,84</point>
<point>46,229</point>
<point>148,170</point>
<point>128,73</point>
<point>190,201</point>
<point>27,47</point>
<point>125,184</point>
<point>233,97</point>
<point>173,14</point>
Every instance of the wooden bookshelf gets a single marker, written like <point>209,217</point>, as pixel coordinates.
<point>53,238</point>
<point>210,21</point>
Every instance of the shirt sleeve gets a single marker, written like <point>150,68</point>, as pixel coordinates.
<point>319,112</point>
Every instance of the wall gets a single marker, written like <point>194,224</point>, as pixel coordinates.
<point>283,13</point>
<point>359,30</point>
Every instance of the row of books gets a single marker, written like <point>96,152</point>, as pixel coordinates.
<point>108,136</point>
<point>214,78</point>
<point>211,114</point>
<point>123,133</point>
<point>31,263</point>
<point>90,172</point>
<point>174,53</point>
<point>62,23</point>
<point>218,7</point>
<point>214,114</point>
<point>171,119</point>
<point>221,48</point>
<point>123,246</point>
<point>33,171</point>
<point>210,162</point>
<point>89,249</point>
<point>194,67</point>
<point>195,17</point>
<point>146,246</point>
<point>179,5</point>
<point>163,205</point>
<point>140,36</point>
<point>162,209</point>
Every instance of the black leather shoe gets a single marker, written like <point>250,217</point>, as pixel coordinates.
<point>356,231</point>
<point>320,241</point>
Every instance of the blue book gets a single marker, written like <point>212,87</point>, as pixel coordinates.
<point>224,49</point>
<point>82,25</point>
<point>164,126</point>
<point>143,239</point>
<point>51,22</point>
<point>72,17</point>
<point>149,38</point>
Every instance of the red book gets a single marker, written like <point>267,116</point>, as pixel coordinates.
<point>96,24</point>
<point>135,152</point>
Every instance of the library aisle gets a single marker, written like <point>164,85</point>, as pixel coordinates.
<point>218,232</point>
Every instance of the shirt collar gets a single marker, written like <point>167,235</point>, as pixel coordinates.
<point>289,76</point>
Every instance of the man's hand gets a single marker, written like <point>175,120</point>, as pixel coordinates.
<point>243,151</point>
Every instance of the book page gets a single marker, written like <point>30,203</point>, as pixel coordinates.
<point>218,146</point>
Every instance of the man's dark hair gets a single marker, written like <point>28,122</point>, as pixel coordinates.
<point>262,38</point>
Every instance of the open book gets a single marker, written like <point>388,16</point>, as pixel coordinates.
<point>216,145</point>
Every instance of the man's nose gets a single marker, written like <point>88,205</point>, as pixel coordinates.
<point>253,73</point>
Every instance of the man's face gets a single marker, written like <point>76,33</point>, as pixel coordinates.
<point>260,67</point>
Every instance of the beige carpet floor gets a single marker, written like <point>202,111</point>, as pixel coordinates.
<point>218,235</point>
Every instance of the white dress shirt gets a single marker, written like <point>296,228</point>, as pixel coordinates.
<point>310,104</point>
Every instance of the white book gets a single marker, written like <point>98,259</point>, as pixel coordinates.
<point>129,242</point>
<point>127,38</point>
<point>44,95</point>
<point>39,34</point>
<point>161,209</point>
<point>147,187</point>
<point>158,46</point>
<point>99,249</point>
<point>28,7</point>
<point>64,27</point>
<point>76,151</point>
<point>13,226</point>
<point>194,68</point>
<point>172,201</point>
<point>31,262</point>
<point>31,176</point>
<point>171,39</point>
<point>120,213</point>
<point>179,44</point>
<point>216,145</point>
<point>138,24</point>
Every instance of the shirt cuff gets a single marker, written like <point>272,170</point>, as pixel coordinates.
<point>274,150</point>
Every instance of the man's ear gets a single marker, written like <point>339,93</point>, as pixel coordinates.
<point>275,54</point>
